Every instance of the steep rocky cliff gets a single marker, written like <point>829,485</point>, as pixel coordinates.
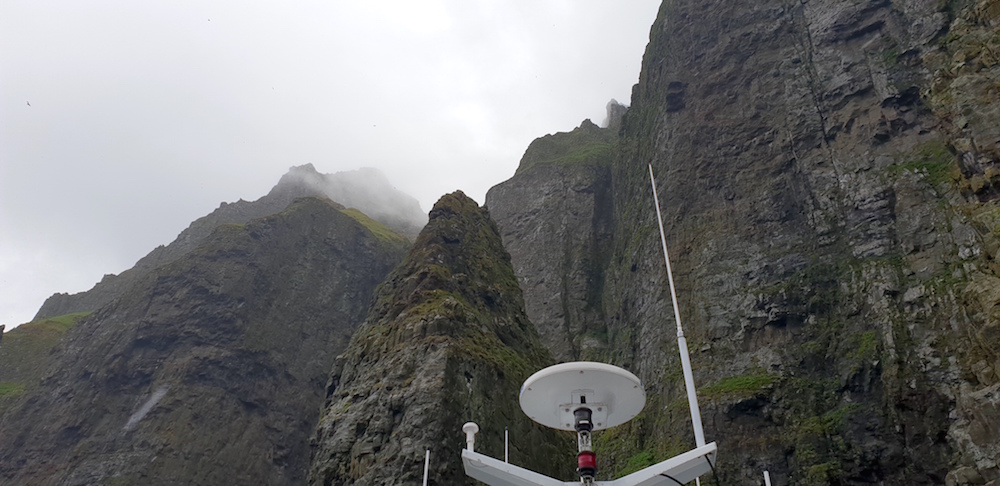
<point>555,217</point>
<point>446,342</point>
<point>367,190</point>
<point>828,174</point>
<point>838,292</point>
<point>207,370</point>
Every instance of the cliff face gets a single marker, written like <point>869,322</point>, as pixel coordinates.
<point>367,190</point>
<point>828,173</point>
<point>208,370</point>
<point>446,342</point>
<point>555,217</point>
<point>832,274</point>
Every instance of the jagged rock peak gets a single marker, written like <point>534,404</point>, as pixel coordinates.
<point>613,120</point>
<point>446,342</point>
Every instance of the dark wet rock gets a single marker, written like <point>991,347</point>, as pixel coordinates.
<point>210,369</point>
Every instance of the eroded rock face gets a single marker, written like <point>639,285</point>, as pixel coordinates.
<point>964,92</point>
<point>824,258</point>
<point>447,342</point>
<point>555,217</point>
<point>209,370</point>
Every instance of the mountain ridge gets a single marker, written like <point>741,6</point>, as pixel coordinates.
<point>387,205</point>
<point>210,369</point>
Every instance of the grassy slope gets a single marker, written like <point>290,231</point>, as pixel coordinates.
<point>25,354</point>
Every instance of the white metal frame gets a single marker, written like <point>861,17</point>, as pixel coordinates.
<point>683,468</point>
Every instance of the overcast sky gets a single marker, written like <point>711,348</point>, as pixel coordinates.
<point>145,115</point>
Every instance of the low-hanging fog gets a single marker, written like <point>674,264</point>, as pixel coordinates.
<point>123,121</point>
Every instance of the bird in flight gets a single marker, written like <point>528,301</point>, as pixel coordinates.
<point>28,102</point>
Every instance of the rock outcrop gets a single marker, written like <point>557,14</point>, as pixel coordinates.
<point>207,370</point>
<point>366,190</point>
<point>555,217</point>
<point>446,342</point>
<point>26,355</point>
<point>963,92</point>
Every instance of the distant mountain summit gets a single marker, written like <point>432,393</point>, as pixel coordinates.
<point>367,190</point>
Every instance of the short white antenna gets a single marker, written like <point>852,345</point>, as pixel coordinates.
<point>427,465</point>
<point>699,433</point>
<point>505,456</point>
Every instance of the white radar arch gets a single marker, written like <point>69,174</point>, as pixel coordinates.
<point>613,395</point>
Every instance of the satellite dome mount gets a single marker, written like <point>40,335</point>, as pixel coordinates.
<point>583,396</point>
<point>552,395</point>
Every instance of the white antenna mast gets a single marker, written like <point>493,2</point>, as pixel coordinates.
<point>699,433</point>
<point>427,465</point>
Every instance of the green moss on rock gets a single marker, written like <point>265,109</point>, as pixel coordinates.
<point>587,144</point>
<point>446,342</point>
<point>741,385</point>
<point>10,390</point>
<point>932,158</point>
<point>381,231</point>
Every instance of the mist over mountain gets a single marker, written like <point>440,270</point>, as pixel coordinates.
<point>367,190</point>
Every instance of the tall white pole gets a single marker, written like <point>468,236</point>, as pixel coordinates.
<point>767,479</point>
<point>699,433</point>
<point>427,465</point>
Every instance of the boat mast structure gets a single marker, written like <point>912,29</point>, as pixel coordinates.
<point>585,397</point>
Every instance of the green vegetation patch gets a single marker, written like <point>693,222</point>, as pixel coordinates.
<point>9,389</point>
<point>867,344</point>
<point>586,145</point>
<point>64,322</point>
<point>596,153</point>
<point>827,424</point>
<point>638,462</point>
<point>43,332</point>
<point>382,232</point>
<point>24,353</point>
<point>823,474</point>
<point>742,385</point>
<point>933,159</point>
